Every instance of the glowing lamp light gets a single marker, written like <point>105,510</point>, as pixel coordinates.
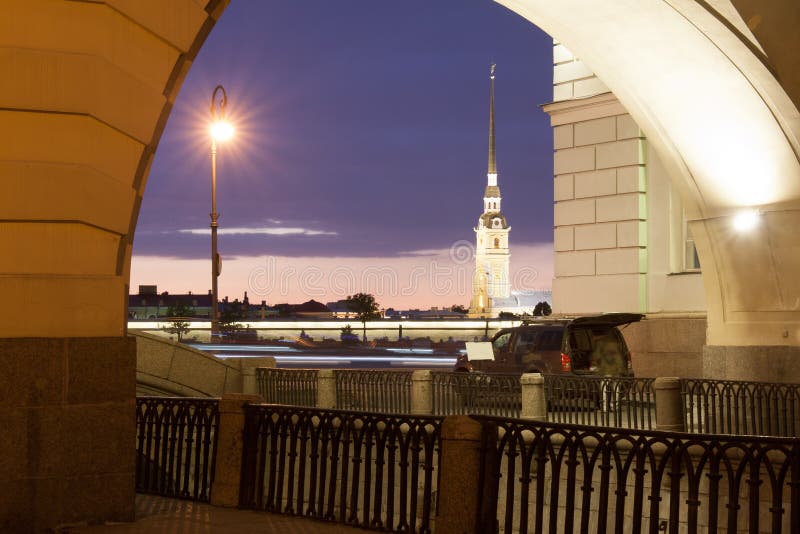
<point>221,130</point>
<point>745,221</point>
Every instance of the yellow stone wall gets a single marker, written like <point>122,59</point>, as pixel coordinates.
<point>87,89</point>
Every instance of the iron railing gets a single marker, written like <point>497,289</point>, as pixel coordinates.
<point>601,401</point>
<point>456,393</point>
<point>374,390</point>
<point>297,387</point>
<point>743,408</point>
<point>567,478</point>
<point>176,446</point>
<point>376,471</point>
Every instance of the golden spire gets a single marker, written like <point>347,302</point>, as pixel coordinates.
<point>492,157</point>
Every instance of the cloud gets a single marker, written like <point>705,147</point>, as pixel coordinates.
<point>257,231</point>
<point>428,252</point>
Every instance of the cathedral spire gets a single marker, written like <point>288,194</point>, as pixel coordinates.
<point>492,157</point>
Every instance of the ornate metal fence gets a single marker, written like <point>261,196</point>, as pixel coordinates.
<point>376,471</point>
<point>476,393</point>
<point>297,387</point>
<point>567,478</point>
<point>738,407</point>
<point>601,401</point>
<point>176,446</point>
<point>374,390</point>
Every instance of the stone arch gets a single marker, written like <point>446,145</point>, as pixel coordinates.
<point>725,126</point>
<point>92,86</point>
<point>727,129</point>
<point>88,87</point>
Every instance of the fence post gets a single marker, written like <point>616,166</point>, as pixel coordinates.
<point>460,484</point>
<point>421,392</point>
<point>249,366</point>
<point>669,404</point>
<point>326,389</point>
<point>230,439</point>
<point>534,402</point>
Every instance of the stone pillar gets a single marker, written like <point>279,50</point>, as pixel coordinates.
<point>67,444</point>
<point>326,389</point>
<point>421,392</point>
<point>752,363</point>
<point>230,440</point>
<point>669,404</point>
<point>249,367</point>
<point>459,476</point>
<point>534,403</point>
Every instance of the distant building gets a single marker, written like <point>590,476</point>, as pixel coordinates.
<point>491,284</point>
<point>149,304</point>
<point>340,309</point>
<point>309,310</point>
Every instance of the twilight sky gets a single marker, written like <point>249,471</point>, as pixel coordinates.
<point>359,160</point>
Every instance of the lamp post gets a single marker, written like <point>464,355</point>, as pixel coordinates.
<point>220,130</point>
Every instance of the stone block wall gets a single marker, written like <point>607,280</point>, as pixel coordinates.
<point>68,431</point>
<point>600,235</point>
<point>619,232</point>
<point>667,346</point>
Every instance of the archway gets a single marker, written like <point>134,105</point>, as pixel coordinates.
<point>75,157</point>
<point>728,132</point>
<point>724,125</point>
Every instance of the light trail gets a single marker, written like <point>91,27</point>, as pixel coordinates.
<point>241,348</point>
<point>347,360</point>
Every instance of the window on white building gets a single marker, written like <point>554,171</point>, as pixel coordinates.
<point>683,252</point>
<point>691,261</point>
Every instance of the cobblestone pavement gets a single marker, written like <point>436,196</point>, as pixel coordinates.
<point>158,515</point>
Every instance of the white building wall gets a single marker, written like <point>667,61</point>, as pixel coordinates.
<point>671,287</point>
<point>618,224</point>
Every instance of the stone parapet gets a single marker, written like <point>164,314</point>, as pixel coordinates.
<point>669,404</point>
<point>534,402</point>
<point>230,444</point>
<point>459,475</point>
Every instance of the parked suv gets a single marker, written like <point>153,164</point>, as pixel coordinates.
<point>583,345</point>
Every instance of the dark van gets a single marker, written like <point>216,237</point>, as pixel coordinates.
<point>590,345</point>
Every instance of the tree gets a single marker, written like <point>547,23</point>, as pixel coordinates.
<point>364,307</point>
<point>228,320</point>
<point>347,336</point>
<point>178,314</point>
<point>507,316</point>
<point>542,309</point>
<point>458,308</point>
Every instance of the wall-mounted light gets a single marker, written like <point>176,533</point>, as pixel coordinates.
<point>746,220</point>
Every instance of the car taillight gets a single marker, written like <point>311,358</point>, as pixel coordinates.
<point>566,363</point>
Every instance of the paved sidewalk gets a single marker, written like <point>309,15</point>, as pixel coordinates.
<point>158,515</point>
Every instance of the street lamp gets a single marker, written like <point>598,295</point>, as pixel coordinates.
<point>220,130</point>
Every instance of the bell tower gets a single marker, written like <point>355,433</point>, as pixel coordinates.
<point>492,256</point>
